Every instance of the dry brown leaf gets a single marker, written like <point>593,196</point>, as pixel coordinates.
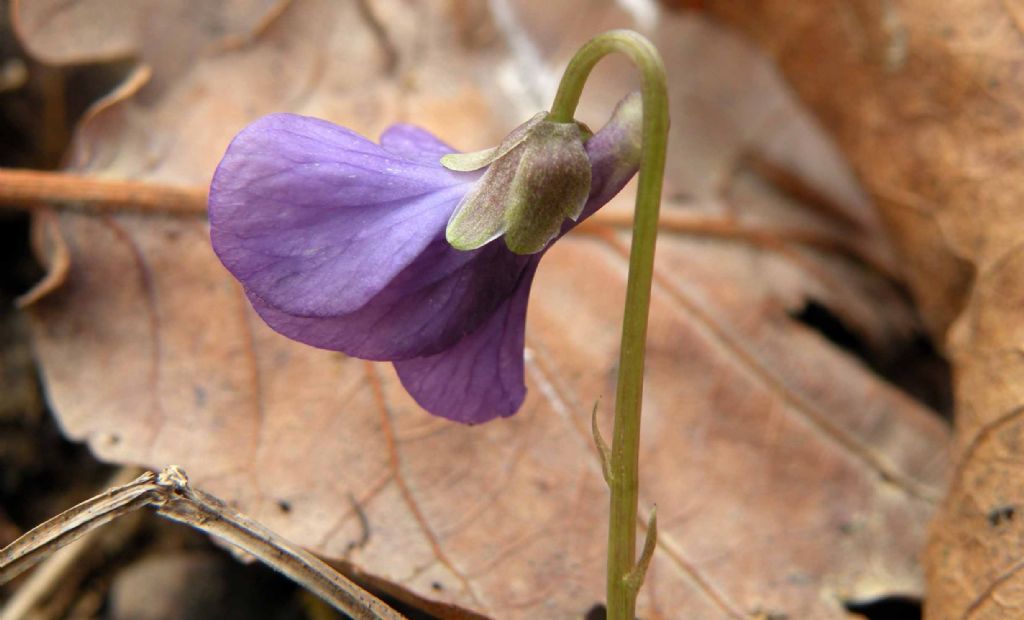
<point>925,98</point>
<point>788,476</point>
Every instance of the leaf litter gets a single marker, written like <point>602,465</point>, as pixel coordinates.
<point>937,88</point>
<point>788,476</point>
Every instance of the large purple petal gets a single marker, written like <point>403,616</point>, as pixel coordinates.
<point>315,220</point>
<point>482,376</point>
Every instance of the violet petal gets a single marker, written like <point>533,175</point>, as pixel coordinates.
<point>442,296</point>
<point>614,154</point>
<point>316,220</point>
<point>481,377</point>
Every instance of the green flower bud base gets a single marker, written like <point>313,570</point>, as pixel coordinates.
<point>538,177</point>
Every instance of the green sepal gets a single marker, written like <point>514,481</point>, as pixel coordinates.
<point>537,178</point>
<point>551,186</point>
<point>469,162</point>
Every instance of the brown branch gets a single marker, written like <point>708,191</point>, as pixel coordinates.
<point>767,238</point>
<point>34,189</point>
<point>31,189</point>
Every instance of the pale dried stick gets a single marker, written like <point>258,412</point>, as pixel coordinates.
<point>172,496</point>
<point>55,569</point>
<point>202,511</point>
<point>69,526</point>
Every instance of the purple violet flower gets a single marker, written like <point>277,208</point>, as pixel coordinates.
<point>340,243</point>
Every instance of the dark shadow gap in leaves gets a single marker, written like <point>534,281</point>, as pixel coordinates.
<point>818,317</point>
<point>886,608</point>
<point>913,365</point>
<point>598,612</point>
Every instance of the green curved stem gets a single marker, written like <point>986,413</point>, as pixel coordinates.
<point>625,449</point>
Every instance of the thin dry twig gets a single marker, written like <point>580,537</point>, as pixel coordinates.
<point>171,495</point>
<point>32,189</point>
<point>769,239</point>
<point>35,189</point>
<point>69,526</point>
<point>55,570</point>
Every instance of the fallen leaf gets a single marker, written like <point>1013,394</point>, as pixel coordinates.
<point>936,88</point>
<point>788,476</point>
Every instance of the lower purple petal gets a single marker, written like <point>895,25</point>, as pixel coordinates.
<point>482,376</point>
<point>443,295</point>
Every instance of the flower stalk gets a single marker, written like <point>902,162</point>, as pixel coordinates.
<point>622,468</point>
